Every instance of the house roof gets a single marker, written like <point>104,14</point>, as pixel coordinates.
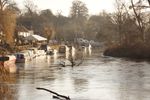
<point>35,38</point>
<point>18,29</point>
<point>21,29</point>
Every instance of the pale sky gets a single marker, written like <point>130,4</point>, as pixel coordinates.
<point>94,6</point>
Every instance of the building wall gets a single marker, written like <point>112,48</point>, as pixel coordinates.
<point>25,34</point>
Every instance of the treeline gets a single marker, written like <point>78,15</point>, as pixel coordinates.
<point>133,25</point>
<point>79,24</point>
<point>128,26</point>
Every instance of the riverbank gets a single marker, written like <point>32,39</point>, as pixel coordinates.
<point>8,49</point>
<point>136,51</point>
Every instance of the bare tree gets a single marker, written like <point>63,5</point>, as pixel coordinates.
<point>148,2</point>
<point>120,17</point>
<point>137,9</point>
<point>3,4</point>
<point>30,6</point>
<point>9,24</point>
<point>78,9</point>
<point>7,20</point>
<point>128,27</point>
<point>49,32</point>
<point>79,13</point>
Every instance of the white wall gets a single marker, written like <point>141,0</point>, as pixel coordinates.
<point>25,34</point>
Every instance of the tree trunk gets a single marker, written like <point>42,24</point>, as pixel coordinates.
<point>9,24</point>
<point>140,26</point>
<point>148,1</point>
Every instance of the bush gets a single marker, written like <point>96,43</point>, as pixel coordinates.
<point>138,51</point>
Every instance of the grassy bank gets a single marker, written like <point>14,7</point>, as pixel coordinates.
<point>137,51</point>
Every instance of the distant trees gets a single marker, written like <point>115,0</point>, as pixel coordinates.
<point>47,16</point>
<point>30,7</point>
<point>100,27</point>
<point>125,23</point>
<point>48,32</point>
<point>139,20</point>
<point>133,23</point>
<point>29,18</point>
<point>118,18</point>
<point>130,21</point>
<point>78,9</point>
<point>79,14</point>
<point>128,24</point>
<point>59,25</point>
<point>46,25</point>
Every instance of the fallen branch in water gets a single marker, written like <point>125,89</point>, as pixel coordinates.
<point>59,95</point>
<point>72,63</point>
<point>63,64</point>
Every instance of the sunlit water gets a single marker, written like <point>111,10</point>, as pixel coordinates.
<point>97,78</point>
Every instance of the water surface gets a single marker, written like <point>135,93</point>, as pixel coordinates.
<point>97,78</point>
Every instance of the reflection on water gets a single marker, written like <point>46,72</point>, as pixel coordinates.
<point>7,92</point>
<point>12,68</point>
<point>97,78</point>
<point>80,85</point>
<point>73,52</point>
<point>85,50</point>
<point>90,49</point>
<point>135,83</point>
<point>55,56</point>
<point>67,54</point>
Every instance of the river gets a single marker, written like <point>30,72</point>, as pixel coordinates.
<point>97,78</point>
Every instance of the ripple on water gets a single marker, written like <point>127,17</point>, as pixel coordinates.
<point>97,78</point>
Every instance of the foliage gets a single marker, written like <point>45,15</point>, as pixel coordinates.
<point>139,51</point>
<point>7,20</point>
<point>133,27</point>
<point>8,24</point>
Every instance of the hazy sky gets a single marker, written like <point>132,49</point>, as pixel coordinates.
<point>94,6</point>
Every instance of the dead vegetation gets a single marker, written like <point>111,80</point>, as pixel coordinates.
<point>137,51</point>
<point>76,60</point>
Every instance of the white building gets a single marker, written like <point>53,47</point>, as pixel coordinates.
<point>25,33</point>
<point>22,31</point>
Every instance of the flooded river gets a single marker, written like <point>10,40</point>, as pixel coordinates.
<point>97,78</point>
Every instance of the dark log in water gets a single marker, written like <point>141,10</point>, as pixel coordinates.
<point>59,95</point>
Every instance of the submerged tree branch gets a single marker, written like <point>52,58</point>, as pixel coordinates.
<point>59,95</point>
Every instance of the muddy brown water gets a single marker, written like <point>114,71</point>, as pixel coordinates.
<point>97,78</point>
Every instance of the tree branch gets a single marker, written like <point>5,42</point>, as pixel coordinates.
<point>138,20</point>
<point>148,2</point>
<point>59,95</point>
